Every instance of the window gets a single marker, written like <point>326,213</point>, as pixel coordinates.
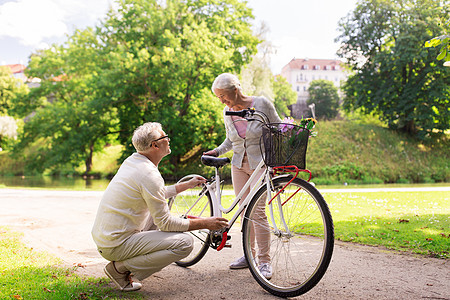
<point>298,88</point>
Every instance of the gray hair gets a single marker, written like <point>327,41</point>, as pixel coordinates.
<point>226,81</point>
<point>145,134</point>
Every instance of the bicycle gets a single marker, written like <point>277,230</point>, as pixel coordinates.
<point>298,219</point>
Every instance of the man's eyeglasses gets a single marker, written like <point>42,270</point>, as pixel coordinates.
<point>163,137</point>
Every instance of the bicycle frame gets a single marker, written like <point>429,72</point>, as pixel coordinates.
<point>214,189</point>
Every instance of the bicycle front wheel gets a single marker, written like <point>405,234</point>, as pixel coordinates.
<point>192,203</point>
<point>294,233</point>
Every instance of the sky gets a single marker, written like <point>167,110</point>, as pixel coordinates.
<point>298,28</point>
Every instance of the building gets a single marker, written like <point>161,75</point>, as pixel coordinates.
<point>17,71</point>
<point>300,72</point>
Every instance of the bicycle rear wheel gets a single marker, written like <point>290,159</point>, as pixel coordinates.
<point>189,204</point>
<point>300,229</point>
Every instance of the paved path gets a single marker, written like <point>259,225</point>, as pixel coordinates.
<point>60,222</point>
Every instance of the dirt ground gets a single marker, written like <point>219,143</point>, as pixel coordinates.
<point>59,222</point>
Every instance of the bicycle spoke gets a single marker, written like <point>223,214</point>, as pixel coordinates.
<point>301,238</point>
<point>193,204</point>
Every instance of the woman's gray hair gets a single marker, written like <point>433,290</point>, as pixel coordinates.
<point>145,134</point>
<point>226,81</point>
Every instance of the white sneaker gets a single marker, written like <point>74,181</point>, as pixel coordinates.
<point>266,270</point>
<point>122,280</point>
<point>239,263</point>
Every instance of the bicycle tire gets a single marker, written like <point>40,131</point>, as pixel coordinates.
<point>299,256</point>
<point>179,206</point>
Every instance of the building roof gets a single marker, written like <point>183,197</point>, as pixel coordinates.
<point>16,68</point>
<point>314,64</point>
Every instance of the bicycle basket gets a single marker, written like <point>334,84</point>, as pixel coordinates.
<point>285,144</point>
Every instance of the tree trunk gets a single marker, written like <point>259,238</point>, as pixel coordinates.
<point>88,161</point>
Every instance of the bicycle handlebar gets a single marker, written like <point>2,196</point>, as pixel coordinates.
<point>247,113</point>
<point>240,113</point>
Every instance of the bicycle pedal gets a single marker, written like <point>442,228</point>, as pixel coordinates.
<point>228,237</point>
<point>227,245</point>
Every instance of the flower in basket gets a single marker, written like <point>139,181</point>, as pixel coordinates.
<point>309,123</point>
<point>287,124</point>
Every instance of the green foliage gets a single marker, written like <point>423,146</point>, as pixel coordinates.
<point>11,89</point>
<point>443,40</point>
<point>70,120</point>
<point>284,95</point>
<point>393,75</point>
<point>349,152</point>
<point>145,62</point>
<point>325,96</point>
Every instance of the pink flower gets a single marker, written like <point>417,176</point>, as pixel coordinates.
<point>287,124</point>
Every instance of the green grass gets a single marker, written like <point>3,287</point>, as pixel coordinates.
<point>417,222</point>
<point>355,153</point>
<point>28,274</point>
<point>407,221</point>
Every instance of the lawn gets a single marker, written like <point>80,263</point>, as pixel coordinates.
<point>28,274</point>
<point>412,221</point>
<point>418,222</point>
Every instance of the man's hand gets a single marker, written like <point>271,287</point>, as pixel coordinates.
<point>195,181</point>
<point>211,223</point>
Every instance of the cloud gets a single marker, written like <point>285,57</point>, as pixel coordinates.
<point>33,21</point>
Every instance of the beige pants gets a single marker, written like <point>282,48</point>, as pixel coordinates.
<point>147,252</point>
<point>240,176</point>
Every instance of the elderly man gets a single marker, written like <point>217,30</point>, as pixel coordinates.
<point>134,204</point>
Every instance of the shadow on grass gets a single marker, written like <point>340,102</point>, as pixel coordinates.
<point>422,234</point>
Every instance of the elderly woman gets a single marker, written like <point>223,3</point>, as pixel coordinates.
<point>243,138</point>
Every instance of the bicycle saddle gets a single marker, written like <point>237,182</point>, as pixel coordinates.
<point>215,161</point>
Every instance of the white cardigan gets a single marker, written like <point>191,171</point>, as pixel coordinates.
<point>253,134</point>
<point>134,196</point>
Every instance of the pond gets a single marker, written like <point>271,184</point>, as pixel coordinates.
<point>77,183</point>
<point>72,183</point>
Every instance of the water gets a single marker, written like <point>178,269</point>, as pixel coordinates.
<point>77,183</point>
<point>72,183</point>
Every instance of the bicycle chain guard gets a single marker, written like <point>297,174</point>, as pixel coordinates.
<point>218,239</point>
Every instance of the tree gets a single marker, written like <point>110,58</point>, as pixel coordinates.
<point>284,95</point>
<point>393,75</point>
<point>69,120</point>
<point>443,41</point>
<point>164,59</point>
<point>324,95</point>
<point>11,89</point>
<point>147,61</point>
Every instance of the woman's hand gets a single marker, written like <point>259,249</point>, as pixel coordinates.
<point>211,153</point>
